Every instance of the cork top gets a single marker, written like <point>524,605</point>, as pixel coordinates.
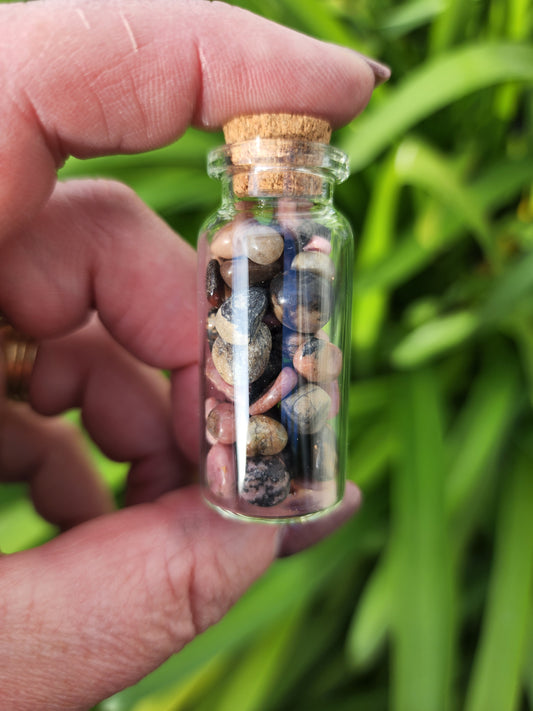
<point>307,128</point>
<point>288,143</point>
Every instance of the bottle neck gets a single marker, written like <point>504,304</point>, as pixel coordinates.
<point>237,199</point>
<point>270,169</point>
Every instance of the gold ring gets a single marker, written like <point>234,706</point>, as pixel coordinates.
<point>20,353</point>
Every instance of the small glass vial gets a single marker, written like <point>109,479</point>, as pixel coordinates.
<point>275,284</point>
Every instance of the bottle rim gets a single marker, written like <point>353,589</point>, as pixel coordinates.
<point>329,162</point>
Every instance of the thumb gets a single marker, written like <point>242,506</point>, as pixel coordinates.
<point>104,604</point>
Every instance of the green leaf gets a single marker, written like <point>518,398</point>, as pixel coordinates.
<point>450,25</point>
<point>434,338</point>
<point>257,671</point>
<point>185,693</point>
<point>495,680</point>
<point>371,621</point>
<point>482,427</point>
<point>434,85</point>
<point>369,308</point>
<point>423,631</point>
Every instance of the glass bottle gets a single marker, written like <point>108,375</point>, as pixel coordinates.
<point>275,283</point>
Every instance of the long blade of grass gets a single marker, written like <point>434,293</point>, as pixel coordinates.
<point>369,308</point>
<point>436,84</point>
<point>495,681</point>
<point>371,621</point>
<point>422,629</point>
<point>473,445</point>
<point>450,25</point>
<point>482,427</point>
<point>185,694</point>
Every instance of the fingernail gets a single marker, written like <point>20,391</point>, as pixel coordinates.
<point>381,71</point>
<point>297,537</point>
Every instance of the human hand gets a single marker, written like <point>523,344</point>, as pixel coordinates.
<point>109,292</point>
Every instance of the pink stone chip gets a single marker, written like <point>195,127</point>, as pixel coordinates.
<point>322,364</point>
<point>282,386</point>
<point>221,471</point>
<point>225,245</point>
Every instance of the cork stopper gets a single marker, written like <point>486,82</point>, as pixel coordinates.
<point>291,140</point>
<point>306,128</point>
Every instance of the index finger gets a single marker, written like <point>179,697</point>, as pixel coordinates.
<point>102,76</point>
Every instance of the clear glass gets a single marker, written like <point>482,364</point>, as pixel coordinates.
<point>275,290</point>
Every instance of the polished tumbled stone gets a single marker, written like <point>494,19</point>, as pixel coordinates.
<point>220,467</point>
<point>226,242</point>
<point>266,436</point>
<point>271,371</point>
<point>210,327</point>
<point>306,409</point>
<point>307,229</point>
<point>254,273</point>
<point>214,284</point>
<point>292,340</point>
<point>280,388</point>
<point>245,237</point>
<point>239,316</point>
<point>315,262</point>
<point>265,244</point>
<point>267,481</point>
<point>253,356</point>
<point>302,301</point>
<point>221,423</point>
<point>318,360</point>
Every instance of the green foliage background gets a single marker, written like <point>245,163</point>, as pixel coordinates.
<point>424,601</point>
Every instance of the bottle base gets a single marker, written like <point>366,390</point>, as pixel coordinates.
<point>295,510</point>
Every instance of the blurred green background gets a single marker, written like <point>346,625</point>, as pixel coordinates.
<point>424,601</point>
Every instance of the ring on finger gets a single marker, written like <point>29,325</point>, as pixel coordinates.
<point>20,352</point>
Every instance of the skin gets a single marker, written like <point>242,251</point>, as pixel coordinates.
<point>106,286</point>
